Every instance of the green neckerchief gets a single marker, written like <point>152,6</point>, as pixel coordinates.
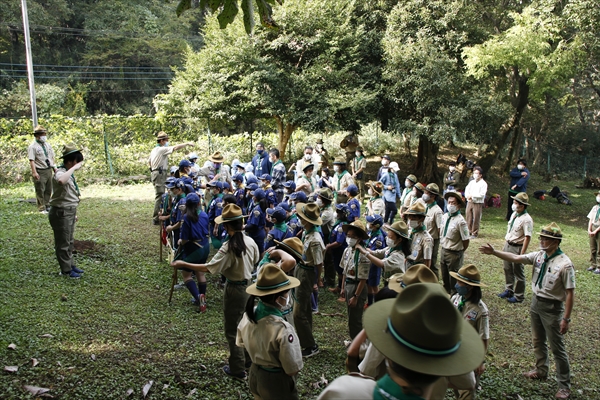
<point>373,198</point>
<point>312,187</point>
<point>73,179</point>
<point>43,147</point>
<point>281,226</point>
<point>313,229</point>
<point>375,233</point>
<point>513,220</point>
<point>387,389</point>
<point>339,176</point>
<point>597,213</point>
<point>393,249</point>
<point>430,205</point>
<point>356,161</point>
<point>418,229</point>
<point>264,310</point>
<point>542,273</point>
<point>448,220</point>
<point>356,258</point>
<point>461,303</point>
<point>405,193</point>
<point>393,176</point>
<point>273,166</point>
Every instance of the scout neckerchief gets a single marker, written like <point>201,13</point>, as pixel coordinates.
<point>264,310</point>
<point>405,193</point>
<point>306,233</point>
<point>542,273</point>
<point>281,226</point>
<point>418,229</point>
<point>430,205</point>
<point>73,179</point>
<point>356,161</point>
<point>309,180</point>
<point>387,389</point>
<point>461,303</point>
<point>393,177</point>
<point>375,234</point>
<point>514,219</point>
<point>448,220</point>
<point>339,176</point>
<point>597,213</point>
<point>273,166</point>
<point>43,147</point>
<point>390,250</point>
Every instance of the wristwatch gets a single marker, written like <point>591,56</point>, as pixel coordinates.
<point>567,319</point>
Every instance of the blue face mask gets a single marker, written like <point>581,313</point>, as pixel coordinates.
<point>462,290</point>
<point>166,144</point>
<point>260,152</point>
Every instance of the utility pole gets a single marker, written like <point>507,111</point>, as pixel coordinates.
<point>29,63</point>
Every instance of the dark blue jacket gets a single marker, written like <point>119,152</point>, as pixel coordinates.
<point>517,179</point>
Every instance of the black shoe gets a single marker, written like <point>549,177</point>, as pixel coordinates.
<point>240,377</point>
<point>310,351</point>
<point>74,268</point>
<point>155,222</point>
<point>514,300</point>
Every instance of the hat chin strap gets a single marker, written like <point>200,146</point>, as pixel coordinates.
<point>419,349</point>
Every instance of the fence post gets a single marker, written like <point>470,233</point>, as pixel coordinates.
<point>209,136</point>
<point>106,152</point>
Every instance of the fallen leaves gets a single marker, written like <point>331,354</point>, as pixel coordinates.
<point>146,388</point>
<point>36,391</point>
<point>34,362</point>
<point>11,368</point>
<point>129,392</point>
<point>93,357</point>
<point>12,346</point>
<point>322,383</point>
<point>46,335</point>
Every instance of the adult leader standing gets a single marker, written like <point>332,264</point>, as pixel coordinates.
<point>159,167</point>
<point>41,160</point>
<point>518,184</point>
<point>260,161</point>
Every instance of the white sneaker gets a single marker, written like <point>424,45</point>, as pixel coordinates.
<point>44,212</point>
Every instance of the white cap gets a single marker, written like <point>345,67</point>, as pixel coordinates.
<point>394,166</point>
<point>191,156</point>
<point>249,167</point>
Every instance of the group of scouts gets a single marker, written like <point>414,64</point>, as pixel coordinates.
<point>280,241</point>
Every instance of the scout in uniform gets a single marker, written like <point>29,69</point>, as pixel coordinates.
<point>407,196</point>
<point>312,264</point>
<point>594,234</point>
<point>328,216</point>
<point>393,257</point>
<point>418,191</point>
<point>289,187</point>
<point>322,159</point>
<point>41,161</point>
<point>280,230</point>
<point>271,342</point>
<point>166,203</point>
<point>376,204</point>
<point>518,236</point>
<point>306,182</point>
<point>350,144</point>
<point>553,286</point>
<point>433,221</point>
<point>269,192</point>
<point>177,210</point>
<point>215,208</point>
<point>376,241</point>
<point>337,245</point>
<point>422,242</point>
<point>235,260</point>
<point>356,272</point>
<point>159,165</point>
<point>359,165</point>
<point>391,192</point>
<point>340,181</point>
<point>255,226</point>
<point>63,209</point>
<point>240,192</point>
<point>185,167</point>
<point>291,219</point>
<point>277,173</point>
<point>302,163</point>
<point>454,240</point>
<point>422,337</point>
<point>353,203</point>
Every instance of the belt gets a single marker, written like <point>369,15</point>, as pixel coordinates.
<point>452,251</point>
<point>64,208</point>
<point>546,300</point>
<point>41,169</point>
<point>244,282</point>
<point>348,280</point>
<point>271,369</point>
<point>306,267</point>
<point>515,244</point>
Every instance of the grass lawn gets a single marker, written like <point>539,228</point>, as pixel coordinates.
<point>113,330</point>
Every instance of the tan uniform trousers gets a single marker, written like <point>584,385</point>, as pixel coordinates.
<point>158,180</point>
<point>514,273</point>
<point>450,261</point>
<point>267,385</point>
<point>43,188</point>
<point>302,306</point>
<point>595,250</point>
<point>62,221</point>
<point>234,306</point>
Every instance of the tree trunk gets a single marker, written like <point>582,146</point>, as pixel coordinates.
<point>285,131</point>
<point>406,140</point>
<point>425,166</point>
<point>514,144</point>
<point>520,104</point>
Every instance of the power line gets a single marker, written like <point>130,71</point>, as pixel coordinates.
<point>85,66</point>
<point>98,72</point>
<point>95,78</point>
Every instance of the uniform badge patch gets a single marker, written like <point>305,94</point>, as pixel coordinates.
<point>256,213</point>
<point>353,206</point>
<point>471,315</point>
<point>340,229</point>
<point>291,338</point>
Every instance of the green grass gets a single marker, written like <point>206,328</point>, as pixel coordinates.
<point>116,330</point>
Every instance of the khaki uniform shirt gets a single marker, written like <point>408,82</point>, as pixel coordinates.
<point>301,163</point>
<point>358,164</point>
<point>351,386</point>
<point>594,217</point>
<point>433,219</point>
<point>63,195</point>
<point>407,198</point>
<point>342,183</point>
<point>559,276</point>
<point>393,261</point>
<point>373,364</point>
<point>313,248</point>
<point>312,184</point>
<point>455,234</point>
<point>35,152</point>
<point>421,247</point>
<point>232,267</point>
<point>518,228</point>
<point>377,205</point>
<point>351,269</point>
<point>328,218</point>
<point>222,176</point>
<point>159,157</point>
<point>272,343</point>
<point>477,315</point>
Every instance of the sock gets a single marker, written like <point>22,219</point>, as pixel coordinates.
<point>191,285</point>
<point>371,298</point>
<point>314,300</point>
<point>202,287</point>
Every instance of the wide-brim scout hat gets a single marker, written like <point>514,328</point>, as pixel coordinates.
<point>39,130</point>
<point>217,157</point>
<point>326,194</point>
<point>357,226</point>
<point>433,189</point>
<point>399,228</point>
<point>418,273</point>
<point>420,186</point>
<point>339,161</point>
<point>468,274</point>
<point>69,149</point>
<point>307,167</point>
<point>271,279</point>
<point>552,231</point>
<point>231,212</point>
<point>309,212</point>
<point>457,196</point>
<point>521,198</point>
<point>412,178</point>
<point>162,135</point>
<point>422,331</point>
<point>319,141</point>
<point>417,208</point>
<point>292,246</point>
<point>376,186</point>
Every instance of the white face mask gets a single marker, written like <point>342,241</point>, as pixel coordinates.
<point>413,223</point>
<point>426,197</point>
<point>520,167</point>
<point>452,169</point>
<point>351,241</point>
<point>42,139</point>
<point>319,202</point>
<point>384,162</point>
<point>286,301</point>
<point>476,176</point>
<point>336,168</point>
<point>307,157</point>
<point>389,242</point>
<point>285,191</point>
<point>597,199</point>
<point>407,183</point>
<point>452,208</point>
<point>514,207</point>
<point>370,192</point>
<point>357,154</point>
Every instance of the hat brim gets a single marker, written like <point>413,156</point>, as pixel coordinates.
<point>457,196</point>
<point>220,219</point>
<point>469,355</point>
<point>347,227</point>
<point>520,201</point>
<point>289,250</point>
<point>549,236</point>
<point>317,221</point>
<point>216,160</point>
<point>456,276</point>
<point>395,282</point>
<point>70,152</point>
<point>404,235</point>
<point>409,212</point>
<point>293,282</point>
<point>373,186</point>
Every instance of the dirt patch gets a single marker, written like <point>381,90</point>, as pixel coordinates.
<point>87,247</point>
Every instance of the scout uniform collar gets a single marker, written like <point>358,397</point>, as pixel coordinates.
<point>264,310</point>
<point>515,218</point>
<point>281,226</point>
<point>542,273</point>
<point>375,233</point>
<point>378,196</point>
<point>387,389</point>
<point>418,229</point>
<point>450,215</point>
